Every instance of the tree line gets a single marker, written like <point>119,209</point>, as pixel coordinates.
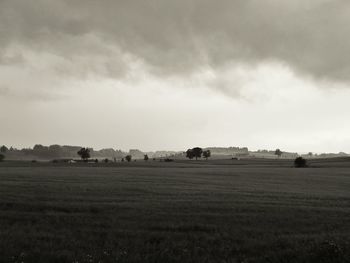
<point>85,153</point>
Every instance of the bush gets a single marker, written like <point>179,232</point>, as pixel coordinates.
<point>2,157</point>
<point>128,158</point>
<point>300,162</point>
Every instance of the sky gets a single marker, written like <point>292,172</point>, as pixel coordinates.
<point>170,75</point>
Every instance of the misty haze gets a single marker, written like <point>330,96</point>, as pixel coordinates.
<point>174,131</point>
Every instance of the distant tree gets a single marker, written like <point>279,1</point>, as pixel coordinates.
<point>310,154</point>
<point>2,157</point>
<point>3,149</point>
<point>197,152</point>
<point>84,154</point>
<point>128,158</point>
<point>145,157</point>
<point>54,150</point>
<point>300,162</point>
<point>206,154</point>
<point>40,150</point>
<point>278,152</point>
<point>194,153</point>
<point>123,160</point>
<point>106,160</point>
<point>190,154</point>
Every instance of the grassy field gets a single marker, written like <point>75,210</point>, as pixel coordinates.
<point>186,211</point>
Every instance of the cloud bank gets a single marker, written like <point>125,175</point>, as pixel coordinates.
<point>150,73</point>
<point>177,37</point>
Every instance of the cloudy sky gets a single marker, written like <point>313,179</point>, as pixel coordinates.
<point>165,74</point>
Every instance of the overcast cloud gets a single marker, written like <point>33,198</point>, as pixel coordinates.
<point>249,52</point>
<point>178,37</point>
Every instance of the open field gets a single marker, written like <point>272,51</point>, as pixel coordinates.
<point>185,211</point>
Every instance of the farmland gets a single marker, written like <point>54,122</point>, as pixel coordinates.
<point>184,211</point>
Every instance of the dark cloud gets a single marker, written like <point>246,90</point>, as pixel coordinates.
<point>179,37</point>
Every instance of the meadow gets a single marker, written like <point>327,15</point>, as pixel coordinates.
<point>184,211</point>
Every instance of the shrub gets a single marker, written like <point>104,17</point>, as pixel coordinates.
<point>3,149</point>
<point>206,154</point>
<point>2,157</point>
<point>300,162</point>
<point>128,158</point>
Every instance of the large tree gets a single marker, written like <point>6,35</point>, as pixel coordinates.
<point>190,154</point>
<point>84,153</point>
<point>194,153</point>
<point>197,152</point>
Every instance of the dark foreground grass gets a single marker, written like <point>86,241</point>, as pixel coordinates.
<point>176,212</point>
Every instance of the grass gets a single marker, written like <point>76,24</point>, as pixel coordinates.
<point>215,211</point>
